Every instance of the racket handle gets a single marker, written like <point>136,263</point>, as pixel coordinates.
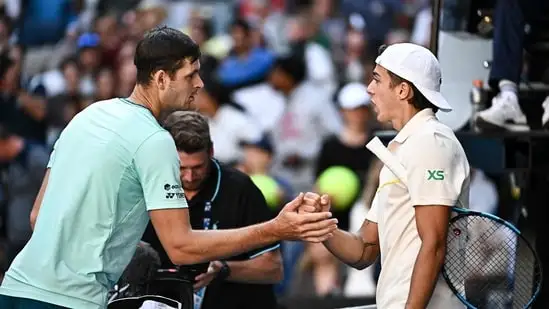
<point>388,158</point>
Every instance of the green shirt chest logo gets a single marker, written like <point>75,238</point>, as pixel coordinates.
<point>435,175</point>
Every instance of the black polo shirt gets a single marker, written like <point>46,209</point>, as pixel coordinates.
<point>238,203</point>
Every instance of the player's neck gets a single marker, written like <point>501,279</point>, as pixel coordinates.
<point>403,117</point>
<point>139,96</point>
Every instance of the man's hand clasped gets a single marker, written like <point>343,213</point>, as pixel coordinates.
<point>306,218</point>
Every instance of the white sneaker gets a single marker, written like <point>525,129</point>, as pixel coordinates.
<point>545,116</point>
<point>505,113</point>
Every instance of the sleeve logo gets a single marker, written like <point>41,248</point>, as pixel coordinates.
<point>173,191</point>
<point>435,175</point>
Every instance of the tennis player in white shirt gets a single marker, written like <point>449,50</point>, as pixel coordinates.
<point>407,225</point>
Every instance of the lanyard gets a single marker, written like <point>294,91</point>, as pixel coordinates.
<point>208,205</point>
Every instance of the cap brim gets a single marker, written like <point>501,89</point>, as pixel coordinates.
<point>436,98</point>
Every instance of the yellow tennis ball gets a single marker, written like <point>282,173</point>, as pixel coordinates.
<point>341,184</point>
<point>269,188</point>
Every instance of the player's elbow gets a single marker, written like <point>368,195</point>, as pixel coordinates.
<point>436,246</point>
<point>183,255</point>
<point>33,217</point>
<point>185,251</point>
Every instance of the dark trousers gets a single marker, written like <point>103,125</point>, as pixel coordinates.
<point>8,302</point>
<point>510,19</point>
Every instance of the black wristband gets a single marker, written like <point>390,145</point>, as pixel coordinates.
<point>224,272</point>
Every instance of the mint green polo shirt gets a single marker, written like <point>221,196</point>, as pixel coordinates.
<point>111,165</point>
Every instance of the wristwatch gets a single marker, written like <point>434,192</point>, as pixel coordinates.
<point>224,272</point>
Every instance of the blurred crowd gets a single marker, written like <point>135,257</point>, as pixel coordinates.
<point>285,92</point>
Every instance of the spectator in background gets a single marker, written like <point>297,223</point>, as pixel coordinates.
<point>302,33</point>
<point>110,38</point>
<point>60,111</point>
<point>247,64</point>
<point>126,78</point>
<point>89,55</point>
<point>66,79</point>
<point>229,126</point>
<point>43,24</point>
<point>355,52</point>
<point>379,17</point>
<point>308,117</point>
<point>317,265</point>
<point>106,84</point>
<point>270,23</point>
<point>510,20</point>
<point>258,159</point>
<point>347,148</point>
<point>26,164</point>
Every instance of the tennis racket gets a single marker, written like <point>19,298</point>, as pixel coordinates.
<point>489,263</point>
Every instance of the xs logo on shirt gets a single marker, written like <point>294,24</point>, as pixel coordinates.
<point>435,175</point>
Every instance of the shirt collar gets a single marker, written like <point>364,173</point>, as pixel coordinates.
<point>414,124</point>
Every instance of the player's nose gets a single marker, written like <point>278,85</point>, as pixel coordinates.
<point>199,83</point>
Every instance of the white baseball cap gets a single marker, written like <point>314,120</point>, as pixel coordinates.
<point>417,65</point>
<point>353,95</point>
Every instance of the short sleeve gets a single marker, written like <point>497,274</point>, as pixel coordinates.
<point>374,208</point>
<point>436,170</point>
<point>52,155</point>
<point>157,165</point>
<point>256,211</point>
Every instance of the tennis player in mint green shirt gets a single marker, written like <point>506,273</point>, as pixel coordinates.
<point>113,168</point>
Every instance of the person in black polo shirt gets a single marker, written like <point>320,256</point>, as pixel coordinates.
<point>221,197</point>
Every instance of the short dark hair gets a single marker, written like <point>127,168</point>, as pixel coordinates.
<point>163,48</point>
<point>419,101</point>
<point>293,64</point>
<point>242,24</point>
<point>190,131</point>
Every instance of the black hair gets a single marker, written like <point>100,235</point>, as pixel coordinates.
<point>242,24</point>
<point>163,48</point>
<point>419,101</point>
<point>294,65</point>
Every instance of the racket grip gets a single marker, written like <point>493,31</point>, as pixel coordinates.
<point>388,158</point>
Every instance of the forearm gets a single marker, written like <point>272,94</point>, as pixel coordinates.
<point>201,246</point>
<point>351,249</point>
<point>425,275</point>
<point>256,271</point>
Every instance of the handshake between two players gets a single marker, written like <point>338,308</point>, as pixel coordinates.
<point>306,218</point>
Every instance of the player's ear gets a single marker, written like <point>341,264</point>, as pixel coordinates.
<point>405,91</point>
<point>160,78</point>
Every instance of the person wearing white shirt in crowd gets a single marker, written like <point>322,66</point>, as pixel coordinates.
<point>229,126</point>
<point>309,117</point>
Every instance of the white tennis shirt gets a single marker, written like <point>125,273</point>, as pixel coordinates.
<point>438,174</point>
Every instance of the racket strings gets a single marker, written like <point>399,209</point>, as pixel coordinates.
<point>489,265</point>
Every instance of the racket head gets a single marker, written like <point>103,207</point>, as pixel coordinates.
<point>489,260</point>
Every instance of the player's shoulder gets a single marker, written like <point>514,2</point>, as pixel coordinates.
<point>434,139</point>
<point>435,134</point>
